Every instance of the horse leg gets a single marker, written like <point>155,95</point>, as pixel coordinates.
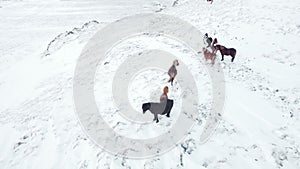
<point>232,58</point>
<point>168,110</point>
<point>155,118</point>
<point>170,75</point>
<point>213,60</point>
<point>222,57</point>
<point>172,81</point>
<point>233,55</point>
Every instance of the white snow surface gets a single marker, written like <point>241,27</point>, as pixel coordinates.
<point>40,42</point>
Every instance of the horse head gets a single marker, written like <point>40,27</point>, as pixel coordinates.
<point>145,107</point>
<point>215,41</point>
<point>176,63</point>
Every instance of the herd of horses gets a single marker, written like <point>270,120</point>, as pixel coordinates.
<point>215,47</point>
<point>164,107</point>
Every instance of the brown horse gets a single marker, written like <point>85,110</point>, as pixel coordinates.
<point>226,51</point>
<point>214,42</point>
<point>209,55</point>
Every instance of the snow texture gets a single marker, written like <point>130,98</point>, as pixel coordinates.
<point>42,40</point>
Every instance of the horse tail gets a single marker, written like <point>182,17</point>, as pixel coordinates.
<point>234,52</point>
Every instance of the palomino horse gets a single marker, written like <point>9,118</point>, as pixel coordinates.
<point>226,51</point>
<point>209,55</point>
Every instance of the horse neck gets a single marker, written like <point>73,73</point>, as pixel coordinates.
<point>214,41</point>
<point>220,46</point>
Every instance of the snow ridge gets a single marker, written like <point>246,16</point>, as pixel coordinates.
<point>68,36</point>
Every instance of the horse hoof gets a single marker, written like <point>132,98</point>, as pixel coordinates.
<point>168,115</point>
<point>157,121</point>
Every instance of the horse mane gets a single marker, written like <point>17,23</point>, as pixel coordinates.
<point>220,47</point>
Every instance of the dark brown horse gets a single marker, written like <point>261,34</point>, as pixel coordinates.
<point>211,1</point>
<point>226,51</point>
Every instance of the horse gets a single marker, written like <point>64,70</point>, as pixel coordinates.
<point>214,42</point>
<point>173,71</point>
<point>207,40</point>
<point>158,108</point>
<point>226,51</point>
<point>209,55</point>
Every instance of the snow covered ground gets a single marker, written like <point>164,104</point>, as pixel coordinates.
<point>40,42</point>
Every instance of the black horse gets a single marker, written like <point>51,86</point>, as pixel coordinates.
<point>207,40</point>
<point>158,108</point>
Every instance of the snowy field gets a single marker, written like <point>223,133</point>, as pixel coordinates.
<point>41,41</point>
